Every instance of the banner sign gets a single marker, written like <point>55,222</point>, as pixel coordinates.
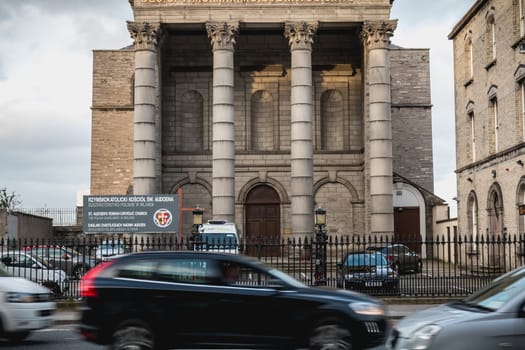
<point>131,214</point>
<point>521,209</point>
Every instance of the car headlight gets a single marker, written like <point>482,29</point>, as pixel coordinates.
<point>15,297</point>
<point>368,309</point>
<point>422,338</point>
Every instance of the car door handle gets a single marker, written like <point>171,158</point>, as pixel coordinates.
<point>505,345</point>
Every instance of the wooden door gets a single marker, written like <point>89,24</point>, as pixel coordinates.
<point>263,221</point>
<point>406,227</point>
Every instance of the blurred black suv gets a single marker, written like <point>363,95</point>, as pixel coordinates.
<point>160,300</point>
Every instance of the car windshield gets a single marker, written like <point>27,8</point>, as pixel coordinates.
<point>43,262</point>
<point>500,291</point>
<point>365,260</point>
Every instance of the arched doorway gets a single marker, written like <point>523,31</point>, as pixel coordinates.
<point>263,217</point>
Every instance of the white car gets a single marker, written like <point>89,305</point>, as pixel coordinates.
<point>34,268</point>
<point>24,306</point>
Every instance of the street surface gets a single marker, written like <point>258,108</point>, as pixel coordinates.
<point>60,337</point>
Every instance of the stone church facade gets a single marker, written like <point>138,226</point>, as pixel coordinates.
<point>489,49</point>
<point>261,111</point>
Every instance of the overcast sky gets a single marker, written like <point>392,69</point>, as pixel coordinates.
<point>45,88</point>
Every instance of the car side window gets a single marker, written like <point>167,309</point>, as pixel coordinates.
<point>24,261</point>
<point>188,270</point>
<point>246,276</point>
<point>139,269</point>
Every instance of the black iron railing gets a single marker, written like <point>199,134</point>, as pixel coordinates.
<point>440,267</point>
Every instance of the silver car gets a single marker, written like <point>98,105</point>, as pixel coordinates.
<point>34,268</point>
<point>491,318</point>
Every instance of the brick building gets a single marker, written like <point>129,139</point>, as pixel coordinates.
<point>261,111</point>
<point>489,49</point>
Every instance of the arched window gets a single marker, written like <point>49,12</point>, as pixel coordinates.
<point>472,125</point>
<point>332,132</point>
<point>472,216</point>
<point>493,119</point>
<point>521,17</point>
<point>469,57</point>
<point>189,123</point>
<point>521,201</point>
<point>519,76</point>
<point>495,210</point>
<point>262,130</point>
<point>491,35</point>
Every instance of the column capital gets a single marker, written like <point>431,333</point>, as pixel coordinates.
<point>145,35</point>
<point>300,34</point>
<point>376,34</point>
<point>222,34</point>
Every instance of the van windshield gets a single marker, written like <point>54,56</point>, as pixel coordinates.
<point>222,239</point>
<point>218,241</point>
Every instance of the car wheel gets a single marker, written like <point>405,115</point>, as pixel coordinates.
<point>17,337</point>
<point>396,268</point>
<point>133,335</point>
<point>419,266</point>
<point>79,271</point>
<point>330,336</point>
<point>53,286</point>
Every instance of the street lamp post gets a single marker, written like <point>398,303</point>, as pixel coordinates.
<point>321,237</point>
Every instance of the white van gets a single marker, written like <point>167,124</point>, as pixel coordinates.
<point>218,236</point>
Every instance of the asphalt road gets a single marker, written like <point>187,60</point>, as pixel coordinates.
<point>61,337</point>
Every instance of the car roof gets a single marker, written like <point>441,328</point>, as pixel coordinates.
<point>183,253</point>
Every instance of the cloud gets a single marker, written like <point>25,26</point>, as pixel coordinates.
<point>46,74</point>
<point>425,24</point>
<point>45,93</point>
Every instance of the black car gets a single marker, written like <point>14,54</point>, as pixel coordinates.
<point>367,272</point>
<point>160,300</point>
<point>402,259</point>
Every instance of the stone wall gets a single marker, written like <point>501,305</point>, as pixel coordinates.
<point>490,179</point>
<point>411,116</point>
<point>262,91</point>
<point>112,122</point>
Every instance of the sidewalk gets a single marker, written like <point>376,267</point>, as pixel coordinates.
<point>396,308</point>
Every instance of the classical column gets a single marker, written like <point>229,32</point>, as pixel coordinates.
<point>145,37</point>
<point>376,37</point>
<point>300,38</point>
<point>222,36</point>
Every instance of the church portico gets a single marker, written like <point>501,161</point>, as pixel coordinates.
<point>276,107</point>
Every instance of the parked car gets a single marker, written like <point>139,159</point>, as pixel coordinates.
<point>159,300</point>
<point>218,236</point>
<point>367,272</point>
<point>492,318</point>
<point>24,306</point>
<point>34,268</point>
<point>69,260</point>
<point>402,259</point>
<point>110,248</point>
